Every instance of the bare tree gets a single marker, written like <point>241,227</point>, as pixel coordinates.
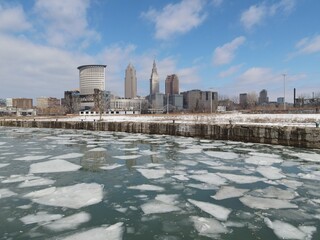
<point>252,99</point>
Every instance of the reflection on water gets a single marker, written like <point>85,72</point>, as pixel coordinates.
<point>135,186</point>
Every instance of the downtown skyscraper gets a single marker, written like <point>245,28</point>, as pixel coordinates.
<point>130,85</point>
<point>172,84</point>
<point>154,80</point>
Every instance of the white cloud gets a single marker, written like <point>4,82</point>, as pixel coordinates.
<point>225,54</point>
<point>65,22</point>
<point>257,13</point>
<point>13,19</point>
<point>230,71</point>
<point>177,18</point>
<point>309,45</point>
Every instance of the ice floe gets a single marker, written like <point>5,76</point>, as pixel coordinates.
<point>75,196</point>
<point>36,182</point>
<point>263,160</point>
<point>156,206</point>
<point>290,183</point>
<point>285,230</point>
<point>32,158</point>
<point>311,157</point>
<point>270,172</point>
<point>273,192</point>
<point>2,165</point>
<point>20,178</point>
<point>241,179</point>
<point>5,193</point>
<point>180,177</point>
<point>167,198</point>
<point>69,156</point>
<point>111,167</point>
<point>153,173</point>
<point>191,151</point>
<point>127,157</point>
<point>209,178</point>
<point>266,203</point>
<point>113,232</point>
<point>53,166</point>
<point>208,227</point>
<point>99,149</point>
<point>188,162</point>
<point>222,155</point>
<point>148,152</point>
<point>147,187</point>
<point>229,192</point>
<point>219,212</point>
<point>203,186</point>
<point>40,217</point>
<point>70,222</point>
<point>225,168</point>
<point>314,175</point>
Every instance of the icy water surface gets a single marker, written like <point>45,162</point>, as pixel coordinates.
<point>99,185</point>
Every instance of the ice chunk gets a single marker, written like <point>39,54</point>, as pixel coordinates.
<point>272,192</point>
<point>311,157</point>
<point>266,203</point>
<point>225,168</point>
<point>156,206</point>
<point>19,178</point>
<point>219,212</point>
<point>314,175</point>
<point>208,227</point>
<point>5,193</point>
<point>290,183</point>
<point>188,163</point>
<point>241,179</point>
<point>32,158</point>
<point>111,167</point>
<point>191,151</point>
<point>3,165</point>
<point>152,173</point>
<point>229,192</point>
<point>285,230</point>
<point>129,149</point>
<point>180,177</point>
<point>99,149</point>
<point>148,152</point>
<point>40,217</point>
<point>53,166</point>
<point>36,182</point>
<point>113,232</point>
<point>203,186</point>
<point>260,160</point>
<point>147,187</point>
<point>209,178</point>
<point>167,198</point>
<point>127,157</point>
<point>222,155</point>
<point>69,156</point>
<point>75,196</point>
<point>271,173</point>
<point>71,222</point>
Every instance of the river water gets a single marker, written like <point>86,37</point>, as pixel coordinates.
<point>64,184</point>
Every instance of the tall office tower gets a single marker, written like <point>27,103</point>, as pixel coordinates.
<point>154,80</point>
<point>263,97</point>
<point>91,77</point>
<point>130,84</point>
<point>172,84</point>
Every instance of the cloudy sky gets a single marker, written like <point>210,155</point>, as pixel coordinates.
<point>229,46</point>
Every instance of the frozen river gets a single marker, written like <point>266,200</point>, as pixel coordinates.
<point>100,185</point>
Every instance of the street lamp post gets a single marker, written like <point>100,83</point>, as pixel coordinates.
<point>284,91</point>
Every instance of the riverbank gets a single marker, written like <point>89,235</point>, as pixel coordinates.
<point>296,136</point>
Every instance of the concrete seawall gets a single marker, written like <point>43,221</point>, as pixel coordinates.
<point>305,137</point>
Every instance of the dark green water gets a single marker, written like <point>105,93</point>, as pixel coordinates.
<point>188,171</point>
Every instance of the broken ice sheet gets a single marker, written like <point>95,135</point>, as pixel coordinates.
<point>32,158</point>
<point>191,151</point>
<point>19,178</point>
<point>208,227</point>
<point>167,198</point>
<point>180,177</point>
<point>273,192</point>
<point>156,206</point>
<point>111,167</point>
<point>153,173</point>
<point>2,165</point>
<point>266,203</point>
<point>75,196</point>
<point>113,232</point>
<point>127,157</point>
<point>40,217</point>
<point>241,179</point>
<point>70,222</point>
<point>311,157</point>
<point>209,178</point>
<point>222,155</point>
<point>203,186</point>
<point>219,212</point>
<point>5,193</point>
<point>53,166</point>
<point>147,187</point>
<point>229,192</point>
<point>290,183</point>
<point>188,162</point>
<point>36,182</point>
<point>263,160</point>
<point>271,173</point>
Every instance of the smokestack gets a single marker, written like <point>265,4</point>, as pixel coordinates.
<point>294,97</point>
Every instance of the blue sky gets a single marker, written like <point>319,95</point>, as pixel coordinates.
<point>229,46</point>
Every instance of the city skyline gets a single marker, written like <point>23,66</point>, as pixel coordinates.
<point>230,47</point>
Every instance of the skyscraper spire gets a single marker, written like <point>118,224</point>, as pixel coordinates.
<point>154,79</point>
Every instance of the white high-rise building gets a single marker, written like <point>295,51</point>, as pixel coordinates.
<point>130,85</point>
<point>154,80</point>
<point>91,77</point>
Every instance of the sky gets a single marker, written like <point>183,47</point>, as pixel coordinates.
<point>228,46</point>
